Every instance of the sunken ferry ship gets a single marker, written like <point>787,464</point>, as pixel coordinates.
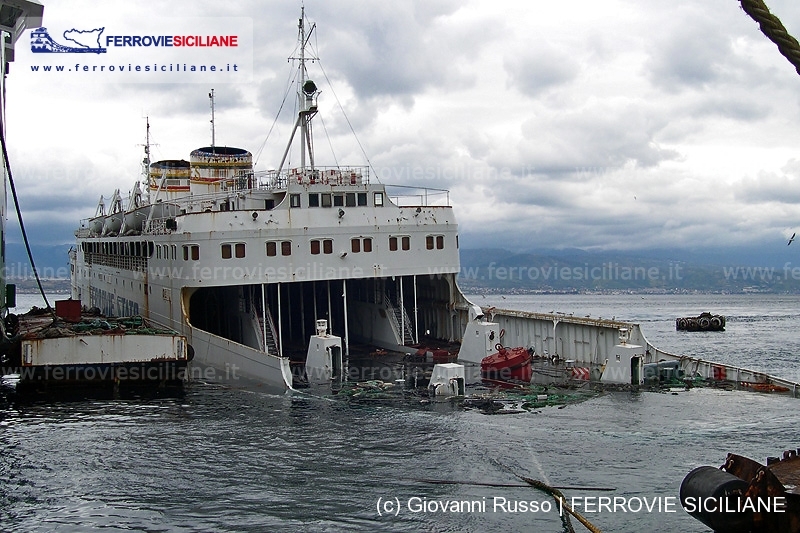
<point>284,276</point>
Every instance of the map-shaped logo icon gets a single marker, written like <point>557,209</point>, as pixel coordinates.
<point>81,42</point>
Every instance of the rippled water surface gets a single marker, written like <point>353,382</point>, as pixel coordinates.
<point>220,459</point>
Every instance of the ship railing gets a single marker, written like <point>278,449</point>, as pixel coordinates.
<point>83,231</point>
<point>411,196</point>
<point>324,175</point>
<point>157,226</point>
<point>122,262</point>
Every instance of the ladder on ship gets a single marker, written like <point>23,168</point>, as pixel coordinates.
<point>401,320</point>
<point>266,332</point>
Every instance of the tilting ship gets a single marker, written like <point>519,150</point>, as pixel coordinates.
<point>287,276</point>
<point>63,350</point>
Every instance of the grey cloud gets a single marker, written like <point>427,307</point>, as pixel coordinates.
<point>540,68</point>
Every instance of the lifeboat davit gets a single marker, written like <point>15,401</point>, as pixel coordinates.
<point>507,364</point>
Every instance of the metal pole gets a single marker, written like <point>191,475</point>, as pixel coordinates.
<point>302,312</point>
<point>330,315</point>
<point>280,323</point>
<point>289,304</point>
<point>402,315</point>
<point>314,292</point>
<point>346,336</point>
<point>264,318</point>
<point>416,315</point>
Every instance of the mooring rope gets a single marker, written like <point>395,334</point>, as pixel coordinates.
<point>559,496</point>
<point>772,27</point>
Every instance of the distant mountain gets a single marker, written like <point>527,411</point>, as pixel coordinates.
<point>574,270</point>
<point>51,261</point>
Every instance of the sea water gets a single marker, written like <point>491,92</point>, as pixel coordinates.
<point>242,459</point>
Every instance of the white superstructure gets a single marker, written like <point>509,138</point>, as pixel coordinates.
<point>244,263</point>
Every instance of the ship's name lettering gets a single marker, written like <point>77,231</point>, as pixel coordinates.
<point>112,305</point>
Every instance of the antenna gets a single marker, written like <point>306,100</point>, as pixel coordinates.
<point>211,97</point>
<point>147,145</point>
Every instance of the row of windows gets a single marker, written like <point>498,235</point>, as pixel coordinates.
<point>166,251</point>
<point>318,246</point>
<point>132,249</point>
<point>326,199</point>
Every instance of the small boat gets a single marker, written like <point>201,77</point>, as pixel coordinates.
<point>113,221</point>
<point>702,322</point>
<point>507,364</point>
<point>96,224</point>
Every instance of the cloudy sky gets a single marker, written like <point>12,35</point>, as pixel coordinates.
<point>623,124</point>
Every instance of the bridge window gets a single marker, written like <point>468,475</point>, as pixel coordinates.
<point>326,246</point>
<point>362,199</point>
<point>404,242</point>
<point>191,251</point>
<point>434,242</point>
<point>230,250</point>
<point>359,244</point>
<point>378,199</point>
<point>350,199</point>
<point>338,200</point>
<point>294,200</point>
<point>313,199</point>
<point>326,199</point>
<point>272,248</point>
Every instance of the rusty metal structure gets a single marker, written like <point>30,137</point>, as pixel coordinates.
<point>744,495</point>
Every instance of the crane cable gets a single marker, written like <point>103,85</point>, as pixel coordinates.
<point>19,217</point>
<point>772,27</point>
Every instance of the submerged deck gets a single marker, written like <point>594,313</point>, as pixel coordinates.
<point>582,346</point>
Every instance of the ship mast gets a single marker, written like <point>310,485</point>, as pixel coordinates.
<point>146,160</point>
<point>307,93</point>
<point>213,138</point>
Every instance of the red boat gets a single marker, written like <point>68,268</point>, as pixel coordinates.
<point>508,364</point>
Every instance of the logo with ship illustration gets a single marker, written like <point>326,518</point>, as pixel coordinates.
<point>82,41</point>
